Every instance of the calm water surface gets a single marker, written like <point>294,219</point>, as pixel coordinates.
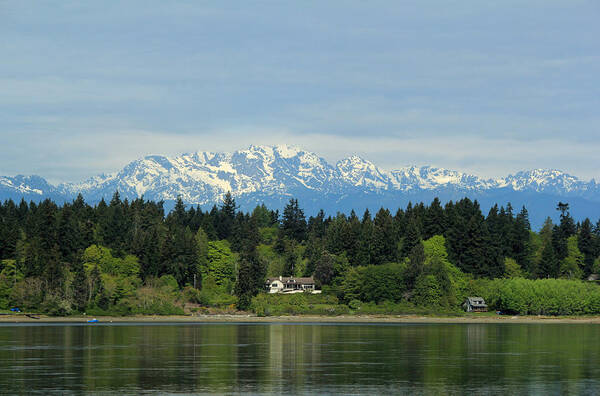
<point>311,359</point>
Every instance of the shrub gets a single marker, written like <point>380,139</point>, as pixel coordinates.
<point>355,304</point>
<point>543,296</point>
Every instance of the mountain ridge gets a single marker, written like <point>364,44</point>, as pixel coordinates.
<point>272,174</point>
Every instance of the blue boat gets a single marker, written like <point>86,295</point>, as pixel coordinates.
<point>93,321</point>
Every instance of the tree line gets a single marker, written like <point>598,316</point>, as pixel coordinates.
<point>76,256</point>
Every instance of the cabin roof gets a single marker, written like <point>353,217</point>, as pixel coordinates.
<point>291,280</point>
<point>477,302</point>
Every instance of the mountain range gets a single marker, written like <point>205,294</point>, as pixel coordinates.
<point>273,174</point>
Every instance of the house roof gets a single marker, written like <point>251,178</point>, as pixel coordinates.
<point>289,279</point>
<point>477,302</point>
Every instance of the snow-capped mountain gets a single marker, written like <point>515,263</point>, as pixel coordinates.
<point>272,174</point>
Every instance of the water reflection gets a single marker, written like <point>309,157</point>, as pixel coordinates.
<point>300,358</point>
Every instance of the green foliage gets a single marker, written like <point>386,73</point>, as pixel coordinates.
<point>251,278</point>
<point>152,301</point>
<point>355,304</point>
<point>382,282</point>
<point>56,305</point>
<point>102,257</point>
<point>330,268</point>
<point>211,294</point>
<point>571,267</point>
<point>543,296</point>
<point>221,262</point>
<point>81,258</point>
<point>352,284</point>
<point>293,224</point>
<point>268,235</point>
<point>428,291</point>
<point>202,246</point>
<point>436,247</point>
<point>9,276</point>
<point>512,269</point>
<point>27,294</point>
<point>596,266</point>
<point>275,262</point>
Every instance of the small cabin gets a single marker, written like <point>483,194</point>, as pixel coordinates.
<point>475,304</point>
<point>291,285</point>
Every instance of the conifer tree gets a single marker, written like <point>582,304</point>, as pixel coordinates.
<point>585,242</point>
<point>290,259</point>
<point>385,245</point>
<point>293,224</point>
<point>80,283</point>
<point>548,266</point>
<point>226,217</point>
<point>69,238</point>
<point>521,246</point>
<point>314,250</point>
<point>365,253</point>
<point>412,237</point>
<point>416,265</point>
<point>434,222</point>
<point>353,237</point>
<point>251,277</point>
<point>325,270</point>
<point>316,225</point>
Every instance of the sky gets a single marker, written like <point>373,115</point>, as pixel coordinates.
<point>486,87</point>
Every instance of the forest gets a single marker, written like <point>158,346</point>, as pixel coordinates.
<point>129,257</point>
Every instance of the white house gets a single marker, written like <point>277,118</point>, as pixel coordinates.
<point>290,285</point>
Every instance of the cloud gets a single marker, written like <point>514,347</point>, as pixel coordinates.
<point>486,88</point>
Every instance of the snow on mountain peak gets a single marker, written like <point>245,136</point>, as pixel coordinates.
<point>287,151</point>
<point>362,173</point>
<point>274,172</point>
<point>545,180</point>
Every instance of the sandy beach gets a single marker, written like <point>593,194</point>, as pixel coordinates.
<point>305,319</point>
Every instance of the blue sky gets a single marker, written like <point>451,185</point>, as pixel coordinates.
<point>484,87</point>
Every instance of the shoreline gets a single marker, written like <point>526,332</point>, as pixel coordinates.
<point>358,319</point>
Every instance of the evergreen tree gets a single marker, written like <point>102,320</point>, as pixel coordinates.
<point>178,215</point>
<point>416,265</point>
<point>325,270</point>
<point>434,221</point>
<point>313,251</point>
<point>521,246</point>
<point>549,264</point>
<point>290,259</point>
<point>353,239</point>
<point>293,224</point>
<point>385,245</point>
<point>586,244</point>
<point>251,278</point>
<point>316,225</point>
<point>202,246</point>
<point>412,237</point>
<point>365,252</point>
<point>69,238</point>
<point>226,217</point>
<point>54,270</point>
<point>114,226</point>
<point>80,283</point>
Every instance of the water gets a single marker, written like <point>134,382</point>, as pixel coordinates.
<point>311,359</point>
